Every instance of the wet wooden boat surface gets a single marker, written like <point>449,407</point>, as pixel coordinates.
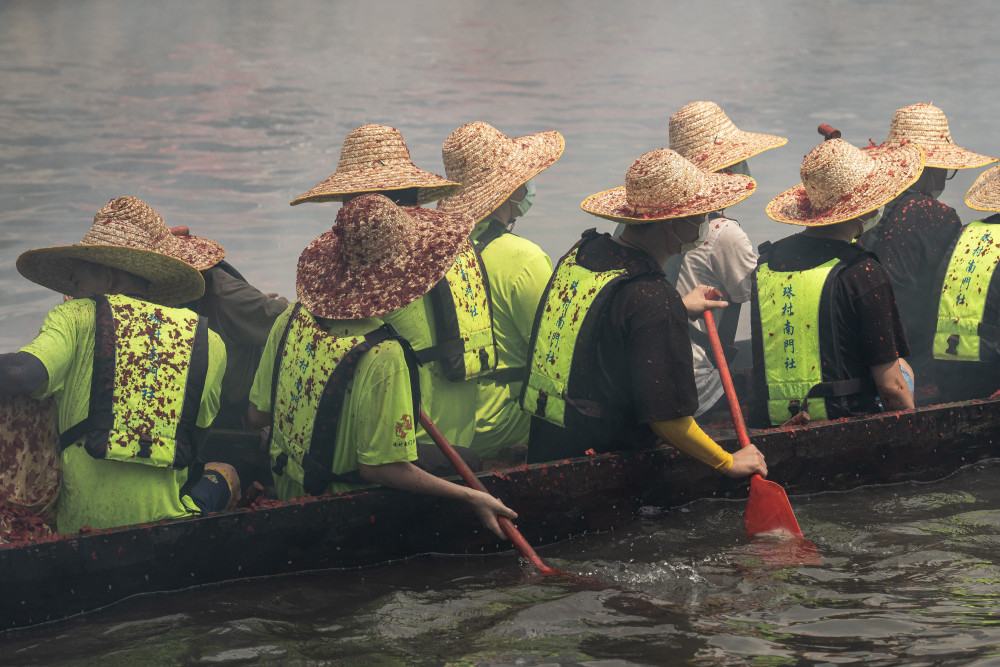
<point>73,574</point>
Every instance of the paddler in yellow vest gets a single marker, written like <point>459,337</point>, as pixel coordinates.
<point>450,326</point>
<point>827,338</point>
<point>496,174</point>
<point>136,380</point>
<point>966,343</point>
<point>610,361</point>
<point>336,384</point>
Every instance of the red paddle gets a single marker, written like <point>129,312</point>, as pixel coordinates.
<point>512,533</point>
<point>768,508</point>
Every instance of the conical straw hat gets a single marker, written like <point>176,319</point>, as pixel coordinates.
<point>661,185</point>
<point>129,235</point>
<point>984,195</point>
<point>926,126</point>
<point>375,158</point>
<point>703,133</point>
<point>378,257</point>
<point>841,182</point>
<point>491,166</point>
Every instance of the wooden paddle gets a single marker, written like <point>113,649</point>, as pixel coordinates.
<point>768,509</point>
<point>512,533</point>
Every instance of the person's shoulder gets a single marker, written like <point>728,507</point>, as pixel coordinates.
<point>918,204</point>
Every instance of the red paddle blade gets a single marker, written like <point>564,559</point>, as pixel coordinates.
<point>768,509</point>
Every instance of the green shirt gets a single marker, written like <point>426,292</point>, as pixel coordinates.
<point>376,423</point>
<point>99,493</point>
<point>518,272</point>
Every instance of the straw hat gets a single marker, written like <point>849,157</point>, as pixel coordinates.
<point>375,158</point>
<point>841,182</point>
<point>128,235</point>
<point>703,133</point>
<point>984,195</point>
<point>926,126</point>
<point>378,257</point>
<point>661,185</point>
<point>491,166</point>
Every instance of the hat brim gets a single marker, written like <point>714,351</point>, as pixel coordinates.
<point>724,191</point>
<point>199,252</point>
<point>430,187</point>
<point>538,152</point>
<point>984,195</point>
<point>896,170</point>
<point>742,146</point>
<point>948,156</point>
<point>171,281</point>
<point>328,287</point>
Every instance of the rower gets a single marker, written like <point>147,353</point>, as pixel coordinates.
<point>610,360</point>
<point>337,386</point>
<point>450,332</point>
<point>496,174</point>
<point>136,380</point>
<point>966,343</point>
<point>917,229</point>
<point>725,259</point>
<point>827,338</point>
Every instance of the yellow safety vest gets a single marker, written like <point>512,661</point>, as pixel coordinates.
<point>961,332</point>
<point>150,365</point>
<point>463,314</point>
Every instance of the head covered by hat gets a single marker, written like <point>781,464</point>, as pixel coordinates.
<point>378,257</point>
<point>129,235</point>
<point>661,185</point>
<point>491,166</point>
<point>926,126</point>
<point>984,195</point>
<point>841,182</point>
<point>703,133</point>
<point>374,158</point>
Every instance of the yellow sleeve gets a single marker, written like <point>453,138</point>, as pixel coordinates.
<point>685,434</point>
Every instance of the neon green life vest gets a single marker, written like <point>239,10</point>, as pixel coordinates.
<point>572,294</point>
<point>961,332</point>
<point>463,313</point>
<point>150,364</point>
<point>312,369</point>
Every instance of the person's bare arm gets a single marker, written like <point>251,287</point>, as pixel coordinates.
<point>408,477</point>
<point>21,373</point>
<point>257,419</point>
<point>892,387</point>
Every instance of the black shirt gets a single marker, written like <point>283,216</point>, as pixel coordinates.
<point>638,360</point>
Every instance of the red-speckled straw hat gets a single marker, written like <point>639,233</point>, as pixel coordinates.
<point>375,158</point>
<point>926,126</point>
<point>491,166</point>
<point>703,133</point>
<point>841,182</point>
<point>129,235</point>
<point>661,185</point>
<point>378,257</point>
<point>984,195</point>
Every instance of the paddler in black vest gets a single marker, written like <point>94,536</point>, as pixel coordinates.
<point>917,229</point>
<point>827,338</point>
<point>449,327</point>
<point>136,380</point>
<point>966,342</point>
<point>337,385</point>
<point>610,361</point>
<point>496,174</point>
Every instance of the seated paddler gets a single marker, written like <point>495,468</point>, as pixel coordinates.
<point>610,359</point>
<point>337,385</point>
<point>136,380</point>
<point>826,333</point>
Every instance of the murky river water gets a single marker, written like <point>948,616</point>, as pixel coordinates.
<point>219,113</point>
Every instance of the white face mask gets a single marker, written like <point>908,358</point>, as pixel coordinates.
<point>873,219</point>
<point>702,235</point>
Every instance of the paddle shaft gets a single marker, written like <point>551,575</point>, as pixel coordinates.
<point>512,533</point>
<point>727,380</point>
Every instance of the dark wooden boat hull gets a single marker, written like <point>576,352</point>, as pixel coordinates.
<point>53,580</point>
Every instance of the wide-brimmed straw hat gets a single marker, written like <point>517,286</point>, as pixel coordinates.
<point>984,195</point>
<point>375,158</point>
<point>703,133</point>
<point>926,126</point>
<point>661,185</point>
<point>378,257</point>
<point>128,235</point>
<point>491,166</point>
<point>841,182</point>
